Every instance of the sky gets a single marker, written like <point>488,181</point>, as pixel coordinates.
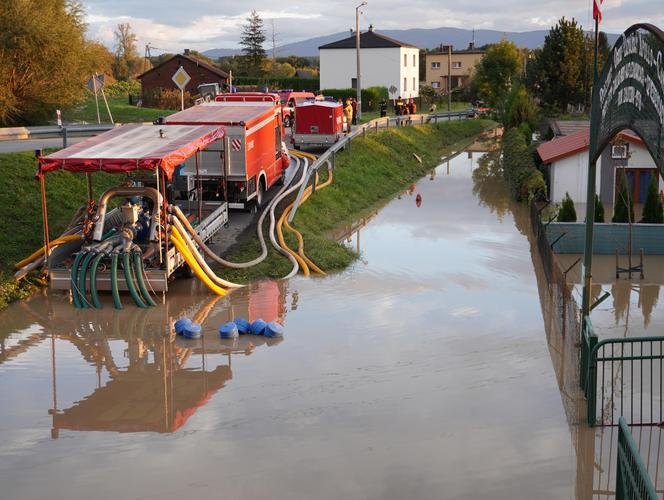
<point>173,25</point>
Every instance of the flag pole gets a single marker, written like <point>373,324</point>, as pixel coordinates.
<point>592,175</point>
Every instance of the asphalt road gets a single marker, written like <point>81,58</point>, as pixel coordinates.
<point>32,144</point>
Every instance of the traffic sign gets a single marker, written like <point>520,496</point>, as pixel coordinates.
<point>181,78</point>
<point>393,90</point>
<point>95,83</point>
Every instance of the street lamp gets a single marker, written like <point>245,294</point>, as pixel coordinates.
<point>357,50</point>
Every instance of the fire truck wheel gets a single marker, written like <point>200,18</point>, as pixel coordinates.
<point>260,195</point>
<point>287,121</point>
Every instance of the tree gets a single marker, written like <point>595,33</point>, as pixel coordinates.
<point>599,209</point>
<point>278,70</point>
<point>253,37</point>
<point>127,63</point>
<point>496,71</point>
<point>653,212</point>
<point>44,56</point>
<point>561,66</point>
<point>623,211</point>
<point>567,212</point>
<point>520,108</point>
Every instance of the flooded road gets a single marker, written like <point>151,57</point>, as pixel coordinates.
<point>421,372</point>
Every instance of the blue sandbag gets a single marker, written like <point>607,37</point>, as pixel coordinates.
<point>243,326</point>
<point>192,331</point>
<point>181,324</point>
<point>228,330</point>
<point>258,327</point>
<point>274,329</point>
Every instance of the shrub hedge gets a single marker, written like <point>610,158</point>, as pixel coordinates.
<point>525,181</point>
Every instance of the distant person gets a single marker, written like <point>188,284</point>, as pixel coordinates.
<point>432,109</point>
<point>348,113</point>
<point>412,107</point>
<point>353,103</point>
<point>399,106</point>
<point>383,108</point>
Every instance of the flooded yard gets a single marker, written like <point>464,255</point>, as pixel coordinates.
<point>427,370</point>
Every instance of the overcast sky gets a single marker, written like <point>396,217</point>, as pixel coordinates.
<point>205,24</point>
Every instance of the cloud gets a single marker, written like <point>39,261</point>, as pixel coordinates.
<point>202,24</point>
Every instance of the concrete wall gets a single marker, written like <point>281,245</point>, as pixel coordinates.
<point>607,238</point>
<point>380,68</point>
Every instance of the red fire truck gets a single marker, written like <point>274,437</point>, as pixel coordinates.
<point>318,123</point>
<point>256,156</point>
<point>289,99</point>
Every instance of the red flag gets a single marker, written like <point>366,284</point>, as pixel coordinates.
<point>597,13</point>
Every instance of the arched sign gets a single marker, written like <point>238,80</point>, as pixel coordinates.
<point>630,93</point>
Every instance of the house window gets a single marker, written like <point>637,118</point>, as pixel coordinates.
<point>435,65</point>
<point>414,61</point>
<point>405,60</point>
<point>405,84</point>
<point>456,64</point>
<point>435,85</point>
<point>619,151</point>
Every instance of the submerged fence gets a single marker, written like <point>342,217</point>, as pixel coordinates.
<point>632,479</point>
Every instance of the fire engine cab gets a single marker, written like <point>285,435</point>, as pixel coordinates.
<point>248,161</point>
<point>289,100</point>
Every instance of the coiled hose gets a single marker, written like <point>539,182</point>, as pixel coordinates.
<point>175,210</point>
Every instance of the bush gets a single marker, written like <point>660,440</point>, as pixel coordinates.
<point>599,209</point>
<point>623,211</point>
<point>519,170</point>
<point>167,99</point>
<point>371,96</point>
<point>567,212</point>
<point>119,89</point>
<point>653,212</point>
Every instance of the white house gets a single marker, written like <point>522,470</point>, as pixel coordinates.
<point>384,62</point>
<point>567,160</point>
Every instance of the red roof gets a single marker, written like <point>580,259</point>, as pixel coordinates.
<point>134,147</point>
<point>569,145</point>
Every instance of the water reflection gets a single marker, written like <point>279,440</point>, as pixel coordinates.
<point>145,378</point>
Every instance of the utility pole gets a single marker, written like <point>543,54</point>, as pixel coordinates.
<point>274,41</point>
<point>357,50</point>
<point>449,82</point>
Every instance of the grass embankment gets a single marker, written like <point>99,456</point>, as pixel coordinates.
<point>372,172</point>
<point>122,112</point>
<point>21,230</point>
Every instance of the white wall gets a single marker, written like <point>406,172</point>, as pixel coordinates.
<point>640,157</point>
<point>380,68</point>
<point>570,175</point>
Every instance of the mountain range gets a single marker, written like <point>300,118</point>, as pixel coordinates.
<point>423,38</point>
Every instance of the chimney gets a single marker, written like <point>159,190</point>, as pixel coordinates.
<point>351,32</point>
<point>471,46</point>
<point>370,27</point>
<point>186,52</point>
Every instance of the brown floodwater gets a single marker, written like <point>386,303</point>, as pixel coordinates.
<point>429,369</point>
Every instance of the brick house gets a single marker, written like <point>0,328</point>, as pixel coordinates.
<point>159,77</point>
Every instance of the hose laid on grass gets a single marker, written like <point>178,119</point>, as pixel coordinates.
<point>175,210</point>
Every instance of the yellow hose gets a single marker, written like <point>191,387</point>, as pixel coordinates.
<point>191,262</point>
<point>42,250</point>
<point>282,242</point>
<point>182,235</point>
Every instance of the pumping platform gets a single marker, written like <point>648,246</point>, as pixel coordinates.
<point>120,241</point>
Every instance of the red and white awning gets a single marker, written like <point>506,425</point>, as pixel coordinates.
<point>134,147</point>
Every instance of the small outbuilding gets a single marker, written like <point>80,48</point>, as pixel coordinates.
<point>567,160</point>
<point>160,77</point>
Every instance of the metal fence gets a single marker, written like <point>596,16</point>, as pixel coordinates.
<point>622,377</point>
<point>632,479</point>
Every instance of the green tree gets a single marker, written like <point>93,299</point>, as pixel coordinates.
<point>623,210</point>
<point>127,63</point>
<point>252,40</point>
<point>520,108</point>
<point>599,209</point>
<point>653,212</point>
<point>561,66</point>
<point>496,71</point>
<point>44,59</point>
<point>567,212</point>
